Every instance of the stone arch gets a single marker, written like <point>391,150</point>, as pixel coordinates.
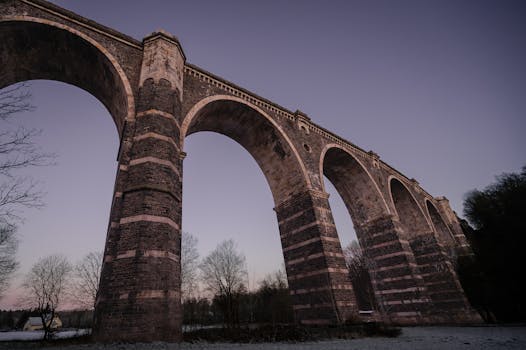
<point>354,183</point>
<point>409,212</point>
<point>255,131</point>
<point>365,204</point>
<point>444,235</point>
<point>35,48</point>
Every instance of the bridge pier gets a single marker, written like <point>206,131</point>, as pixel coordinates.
<point>318,277</point>
<point>139,297</point>
<point>399,289</point>
<point>449,303</point>
<point>414,280</point>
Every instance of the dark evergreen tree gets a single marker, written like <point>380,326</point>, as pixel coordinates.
<point>498,214</point>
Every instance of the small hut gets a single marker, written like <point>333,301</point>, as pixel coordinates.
<point>35,323</point>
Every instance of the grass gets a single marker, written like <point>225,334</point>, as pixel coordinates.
<point>289,333</point>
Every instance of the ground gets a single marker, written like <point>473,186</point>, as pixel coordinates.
<point>414,338</point>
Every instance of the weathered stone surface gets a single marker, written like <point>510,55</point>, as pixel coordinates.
<point>157,99</point>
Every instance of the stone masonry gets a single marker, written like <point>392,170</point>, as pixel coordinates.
<point>156,98</point>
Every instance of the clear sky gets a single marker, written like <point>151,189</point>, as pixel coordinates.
<point>436,88</point>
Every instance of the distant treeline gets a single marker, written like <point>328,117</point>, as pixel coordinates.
<point>270,304</point>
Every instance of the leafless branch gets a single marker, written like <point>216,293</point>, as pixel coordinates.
<point>224,274</point>
<point>17,193</point>
<point>86,280</point>
<point>18,151</point>
<point>14,99</point>
<point>8,263</point>
<point>189,266</point>
<point>224,269</point>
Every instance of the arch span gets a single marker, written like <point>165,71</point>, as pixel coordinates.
<point>409,212</point>
<point>444,235</point>
<point>253,129</point>
<point>353,182</point>
<point>35,48</point>
<point>365,204</point>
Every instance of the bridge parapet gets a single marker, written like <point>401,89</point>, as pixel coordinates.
<point>84,22</point>
<point>282,112</point>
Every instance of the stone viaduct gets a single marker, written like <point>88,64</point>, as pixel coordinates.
<point>156,98</point>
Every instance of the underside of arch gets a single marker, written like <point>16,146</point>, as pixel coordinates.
<point>409,213</point>
<point>356,187</point>
<point>259,136</point>
<point>31,50</point>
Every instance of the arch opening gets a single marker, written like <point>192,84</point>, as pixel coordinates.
<point>358,190</point>
<point>225,186</point>
<point>409,213</point>
<point>443,233</point>
<point>354,255</point>
<point>364,204</point>
<point>78,188</point>
<point>30,50</point>
<point>239,208</point>
<point>255,132</point>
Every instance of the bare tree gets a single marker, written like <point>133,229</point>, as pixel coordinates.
<point>46,285</point>
<point>360,269</point>
<point>224,274</point>
<point>86,279</point>
<point>8,263</point>
<point>358,261</point>
<point>189,266</point>
<point>17,151</point>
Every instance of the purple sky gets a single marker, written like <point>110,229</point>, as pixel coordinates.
<point>436,88</point>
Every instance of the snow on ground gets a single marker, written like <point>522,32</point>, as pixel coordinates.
<point>425,338</point>
<point>37,335</point>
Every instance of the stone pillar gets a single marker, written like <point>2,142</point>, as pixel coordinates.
<point>139,295</point>
<point>449,303</point>
<point>318,277</point>
<point>399,288</point>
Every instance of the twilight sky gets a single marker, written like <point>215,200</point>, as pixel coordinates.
<point>436,88</point>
